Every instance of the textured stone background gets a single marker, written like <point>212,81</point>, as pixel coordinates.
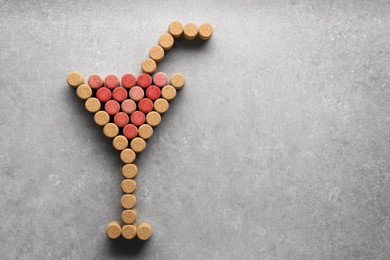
<point>277,148</point>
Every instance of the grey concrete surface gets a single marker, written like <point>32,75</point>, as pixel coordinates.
<point>277,148</point>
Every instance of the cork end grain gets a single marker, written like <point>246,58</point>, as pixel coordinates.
<point>156,53</point>
<point>129,231</point>
<point>190,31</point>
<point>205,31</point>
<point>161,105</point>
<point>128,201</point>
<point>128,156</point>
<point>101,118</point>
<point>84,91</point>
<point>93,105</point>
<point>168,92</point>
<point>129,216</point>
<point>178,80</point>
<point>145,131</point>
<point>129,170</point>
<point>144,231</point>
<point>128,185</point>
<point>149,66</point>
<point>120,142</point>
<point>74,79</point>
<point>175,29</point>
<point>153,118</point>
<point>166,41</point>
<point>113,230</point>
<point>138,144</point>
<point>110,130</point>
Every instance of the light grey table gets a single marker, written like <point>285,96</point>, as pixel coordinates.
<point>277,148</point>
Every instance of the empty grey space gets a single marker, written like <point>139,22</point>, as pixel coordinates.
<point>278,147</point>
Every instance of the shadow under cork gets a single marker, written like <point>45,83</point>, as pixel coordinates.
<point>125,247</point>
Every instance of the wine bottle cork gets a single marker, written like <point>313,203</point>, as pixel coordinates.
<point>113,230</point>
<point>144,80</point>
<point>178,81</point>
<point>129,216</point>
<point>84,91</point>
<point>111,81</point>
<point>153,92</point>
<point>145,131</point>
<point>175,28</point>
<point>129,231</point>
<point>160,79</point>
<point>129,170</point>
<point>103,94</point>
<point>138,144</point>
<point>120,142</point>
<point>144,231</point>
<point>128,185</point>
<point>112,107</point>
<point>136,93</point>
<point>101,118</point>
<point>149,66</point>
<point>121,119</point>
<point>156,53</point>
<point>74,79</point>
<point>128,106</point>
<point>153,118</point>
<point>128,81</point>
<point>92,104</point>
<point>190,31</point>
<point>168,92</point>
<point>128,201</point>
<point>95,81</point>
<point>166,41</point>
<point>137,118</point>
<point>119,94</point>
<point>110,130</point>
<point>145,105</point>
<point>130,131</point>
<point>128,156</point>
<point>161,105</point>
<point>205,31</point>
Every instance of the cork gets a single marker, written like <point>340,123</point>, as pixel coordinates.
<point>145,131</point>
<point>129,231</point>
<point>120,142</point>
<point>138,144</point>
<point>144,80</point>
<point>119,94</point>
<point>128,201</point>
<point>190,31</point>
<point>166,41</point>
<point>110,130</point>
<point>149,66</point>
<point>136,93</point>
<point>175,28</point>
<point>74,79</point>
<point>93,104</point>
<point>128,185</point>
<point>168,92</point>
<point>128,81</point>
<point>137,118</point>
<point>103,94</point>
<point>160,79</point>
<point>156,53</point>
<point>128,156</point>
<point>161,105</point>
<point>153,118</point>
<point>112,107</point>
<point>111,81</point>
<point>129,216</point>
<point>205,31</point>
<point>145,105</point>
<point>95,81</point>
<point>102,118</point>
<point>84,91</point>
<point>130,131</point>
<point>144,231</point>
<point>113,230</point>
<point>128,106</point>
<point>178,81</point>
<point>129,170</point>
<point>121,119</point>
<point>153,92</point>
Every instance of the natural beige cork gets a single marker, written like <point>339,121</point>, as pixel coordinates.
<point>205,31</point>
<point>168,92</point>
<point>166,41</point>
<point>113,230</point>
<point>145,131</point>
<point>153,118</point>
<point>129,216</point>
<point>120,142</point>
<point>84,91</point>
<point>156,53</point>
<point>129,170</point>
<point>110,130</point>
<point>75,79</point>
<point>93,105</point>
<point>149,66</point>
<point>144,231</point>
<point>161,105</point>
<point>129,231</point>
<point>127,156</point>
<point>138,144</point>
<point>128,185</point>
<point>190,31</point>
<point>128,201</point>
<point>175,28</point>
<point>178,80</point>
<point>101,118</point>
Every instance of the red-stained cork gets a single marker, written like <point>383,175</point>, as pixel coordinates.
<point>136,93</point>
<point>144,80</point>
<point>137,118</point>
<point>111,81</point>
<point>145,105</point>
<point>121,119</point>
<point>130,131</point>
<point>95,81</point>
<point>119,94</point>
<point>128,81</point>
<point>112,107</point>
<point>153,92</point>
<point>128,106</point>
<point>103,94</point>
<point>160,79</point>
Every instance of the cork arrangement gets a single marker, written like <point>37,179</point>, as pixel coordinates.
<point>128,109</point>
